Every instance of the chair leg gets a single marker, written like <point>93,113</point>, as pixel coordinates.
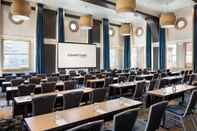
<point>193,121</point>
<point>183,124</point>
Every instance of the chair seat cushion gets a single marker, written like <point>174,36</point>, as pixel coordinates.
<point>178,109</point>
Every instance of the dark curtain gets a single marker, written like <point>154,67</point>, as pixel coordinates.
<point>60,25</point>
<point>162,49</point>
<point>148,47</point>
<point>40,39</point>
<point>90,36</point>
<point>127,53</point>
<point>195,39</point>
<point>106,53</point>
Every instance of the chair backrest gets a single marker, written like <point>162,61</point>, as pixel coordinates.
<point>43,104</point>
<point>53,78</point>
<point>156,113</point>
<point>122,78</point>
<point>125,121</point>
<point>73,99</point>
<point>70,84</point>
<point>108,81</point>
<point>98,95</point>
<point>139,90</point>
<point>34,80</point>
<point>24,90</point>
<point>163,83</point>
<point>64,77</point>
<point>91,126</point>
<point>17,82</point>
<point>20,74</point>
<point>192,103</point>
<point>152,85</point>
<point>48,87</point>
<point>131,78</point>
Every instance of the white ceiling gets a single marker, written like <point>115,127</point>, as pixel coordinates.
<point>154,7</point>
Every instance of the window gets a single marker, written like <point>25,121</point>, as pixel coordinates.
<point>16,55</point>
<point>171,56</point>
<point>188,55</point>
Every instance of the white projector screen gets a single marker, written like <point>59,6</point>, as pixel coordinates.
<point>76,55</point>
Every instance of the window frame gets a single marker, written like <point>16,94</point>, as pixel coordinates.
<point>20,68</point>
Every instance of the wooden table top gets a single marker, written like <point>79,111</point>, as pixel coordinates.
<point>172,77</point>
<point>126,84</point>
<point>83,114</point>
<point>171,90</point>
<point>15,88</point>
<point>96,80</point>
<point>25,99</point>
<point>145,75</point>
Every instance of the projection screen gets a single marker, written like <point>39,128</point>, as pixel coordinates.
<point>76,55</point>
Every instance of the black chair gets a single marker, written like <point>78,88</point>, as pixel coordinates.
<point>139,90</point>
<point>73,99</point>
<point>152,85</point>
<point>163,83</point>
<point>91,126</point>
<point>25,90</point>
<point>48,87</point>
<point>17,82</point>
<point>34,80</point>
<point>70,84</point>
<point>43,104</point>
<point>20,74</point>
<point>155,116</point>
<point>72,73</point>
<point>131,78</point>
<point>122,78</point>
<point>98,95</point>
<point>53,78</point>
<point>55,74</point>
<point>10,77</point>
<point>125,121</point>
<point>179,112</point>
<point>64,77</point>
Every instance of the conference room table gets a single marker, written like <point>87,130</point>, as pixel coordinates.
<point>144,76</point>
<point>22,103</point>
<point>170,93</point>
<point>173,79</point>
<point>98,83</point>
<point>12,91</point>
<point>124,85</point>
<point>63,120</point>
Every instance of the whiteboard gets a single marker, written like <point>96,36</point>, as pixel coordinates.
<point>76,55</point>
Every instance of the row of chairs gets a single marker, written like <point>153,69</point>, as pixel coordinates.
<point>46,104</point>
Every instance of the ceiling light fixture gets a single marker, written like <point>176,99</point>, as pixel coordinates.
<point>86,22</point>
<point>20,10</point>
<point>125,29</point>
<point>167,20</point>
<point>125,7</point>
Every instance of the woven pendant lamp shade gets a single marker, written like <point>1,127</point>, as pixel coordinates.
<point>86,22</point>
<point>20,10</point>
<point>167,20</point>
<point>125,6</point>
<point>125,29</point>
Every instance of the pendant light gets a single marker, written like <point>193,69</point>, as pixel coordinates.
<point>125,29</point>
<point>125,7</point>
<point>86,22</point>
<point>20,10</point>
<point>167,19</point>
